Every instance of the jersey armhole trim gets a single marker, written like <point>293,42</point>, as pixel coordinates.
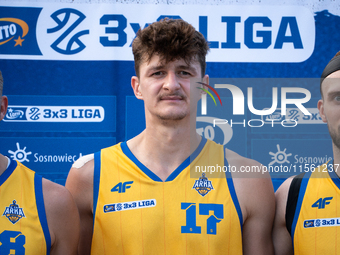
<point>302,191</point>
<point>334,177</point>
<point>39,198</point>
<point>292,200</point>
<point>96,181</point>
<point>7,173</point>
<point>233,195</point>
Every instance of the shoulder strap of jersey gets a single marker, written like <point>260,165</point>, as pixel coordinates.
<point>293,196</point>
<point>41,210</point>
<point>96,181</point>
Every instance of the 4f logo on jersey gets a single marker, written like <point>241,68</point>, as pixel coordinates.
<point>322,202</point>
<point>203,186</point>
<point>14,213</point>
<point>62,17</point>
<point>122,187</point>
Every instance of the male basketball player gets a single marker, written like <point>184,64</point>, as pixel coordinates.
<point>307,214</point>
<point>138,197</point>
<point>37,216</point>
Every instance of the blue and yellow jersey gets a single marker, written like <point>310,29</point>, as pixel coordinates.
<point>23,223</point>
<point>135,212</point>
<point>316,223</point>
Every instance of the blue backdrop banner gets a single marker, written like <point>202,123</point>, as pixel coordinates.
<point>67,71</point>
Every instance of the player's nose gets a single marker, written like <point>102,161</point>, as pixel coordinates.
<point>171,82</point>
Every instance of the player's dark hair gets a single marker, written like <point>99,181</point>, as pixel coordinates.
<point>332,66</point>
<point>171,39</point>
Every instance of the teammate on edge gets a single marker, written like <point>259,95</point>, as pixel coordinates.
<point>307,209</point>
<point>137,197</point>
<point>37,216</point>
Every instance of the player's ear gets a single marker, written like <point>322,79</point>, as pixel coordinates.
<point>322,110</point>
<point>4,105</point>
<point>206,79</point>
<point>136,87</point>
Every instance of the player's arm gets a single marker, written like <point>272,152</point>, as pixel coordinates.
<point>255,193</point>
<point>260,210</point>
<point>80,183</point>
<point>281,237</point>
<point>62,218</point>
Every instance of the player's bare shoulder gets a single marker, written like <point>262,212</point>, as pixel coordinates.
<point>85,164</point>
<point>281,194</point>
<point>81,174</point>
<point>62,218</point>
<point>80,183</point>
<point>253,187</point>
<point>281,199</point>
<point>281,236</point>
<point>244,167</point>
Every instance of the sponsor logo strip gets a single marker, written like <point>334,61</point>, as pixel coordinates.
<point>295,114</point>
<point>18,113</point>
<point>129,205</point>
<point>328,222</point>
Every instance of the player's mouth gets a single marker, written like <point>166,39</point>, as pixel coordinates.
<point>172,97</point>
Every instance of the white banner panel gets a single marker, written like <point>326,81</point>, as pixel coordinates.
<point>236,33</point>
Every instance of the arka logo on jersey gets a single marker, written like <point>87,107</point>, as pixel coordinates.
<point>13,212</point>
<point>203,186</point>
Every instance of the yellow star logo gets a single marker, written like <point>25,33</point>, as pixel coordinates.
<point>19,41</point>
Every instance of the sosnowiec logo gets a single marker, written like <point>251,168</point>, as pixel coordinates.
<point>18,33</point>
<point>20,154</point>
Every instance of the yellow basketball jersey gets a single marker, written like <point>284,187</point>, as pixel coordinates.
<point>23,224</point>
<point>135,212</point>
<point>316,224</point>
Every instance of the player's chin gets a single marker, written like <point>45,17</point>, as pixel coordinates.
<point>173,115</point>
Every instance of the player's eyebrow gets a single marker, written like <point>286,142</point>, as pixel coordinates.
<point>155,68</point>
<point>333,94</point>
<point>190,69</point>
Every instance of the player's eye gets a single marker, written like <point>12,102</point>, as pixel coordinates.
<point>184,73</point>
<point>158,73</point>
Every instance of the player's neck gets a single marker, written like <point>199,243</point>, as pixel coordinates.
<point>3,163</point>
<point>173,135</point>
<point>336,159</point>
<point>163,149</point>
